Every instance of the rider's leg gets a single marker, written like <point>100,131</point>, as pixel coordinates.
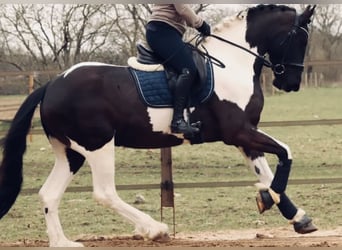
<point>181,93</point>
<point>168,44</point>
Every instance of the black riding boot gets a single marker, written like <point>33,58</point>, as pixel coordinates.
<point>181,94</point>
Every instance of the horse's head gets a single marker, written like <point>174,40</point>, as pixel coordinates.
<point>283,34</point>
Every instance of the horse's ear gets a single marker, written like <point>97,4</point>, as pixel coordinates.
<point>307,14</point>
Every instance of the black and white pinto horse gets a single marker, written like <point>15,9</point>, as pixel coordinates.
<point>92,107</point>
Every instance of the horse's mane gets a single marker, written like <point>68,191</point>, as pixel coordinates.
<point>228,21</point>
<point>255,16</point>
<point>250,14</point>
<point>264,9</point>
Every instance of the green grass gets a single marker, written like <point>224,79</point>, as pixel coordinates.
<point>316,154</point>
<point>307,104</point>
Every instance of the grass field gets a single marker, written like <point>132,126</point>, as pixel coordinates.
<point>316,152</point>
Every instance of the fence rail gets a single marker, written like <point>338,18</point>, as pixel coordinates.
<point>301,123</point>
<point>30,191</point>
<point>321,122</point>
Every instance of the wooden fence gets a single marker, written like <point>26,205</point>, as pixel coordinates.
<point>310,78</point>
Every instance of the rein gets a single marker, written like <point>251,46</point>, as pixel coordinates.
<point>262,58</point>
<point>278,68</point>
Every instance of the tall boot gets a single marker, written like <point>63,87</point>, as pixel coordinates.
<point>181,95</point>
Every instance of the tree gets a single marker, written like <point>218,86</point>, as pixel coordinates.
<point>325,39</point>
<point>328,23</point>
<point>326,32</point>
<point>60,34</point>
<point>130,28</point>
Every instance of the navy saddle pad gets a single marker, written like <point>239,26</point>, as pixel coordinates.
<point>155,91</point>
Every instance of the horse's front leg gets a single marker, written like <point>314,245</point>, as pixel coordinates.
<point>272,187</point>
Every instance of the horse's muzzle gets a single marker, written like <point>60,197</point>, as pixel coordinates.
<point>283,85</point>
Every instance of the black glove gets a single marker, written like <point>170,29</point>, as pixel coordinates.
<point>204,29</point>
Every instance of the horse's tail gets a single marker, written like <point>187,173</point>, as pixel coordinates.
<point>14,146</point>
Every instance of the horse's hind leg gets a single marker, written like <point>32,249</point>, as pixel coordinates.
<point>51,194</point>
<point>102,163</point>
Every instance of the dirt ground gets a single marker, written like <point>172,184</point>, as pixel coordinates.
<point>277,237</point>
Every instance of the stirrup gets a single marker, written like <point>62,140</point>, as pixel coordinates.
<point>197,124</point>
<point>183,127</point>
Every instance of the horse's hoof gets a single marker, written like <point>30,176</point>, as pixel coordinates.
<point>66,244</point>
<point>162,238</point>
<point>304,226</point>
<point>264,201</point>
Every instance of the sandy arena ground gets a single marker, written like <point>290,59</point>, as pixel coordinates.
<point>276,237</point>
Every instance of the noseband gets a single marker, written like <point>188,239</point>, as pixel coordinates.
<point>279,68</point>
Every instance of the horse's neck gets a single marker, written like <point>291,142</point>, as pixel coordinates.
<point>235,82</point>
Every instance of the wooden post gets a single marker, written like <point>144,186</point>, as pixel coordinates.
<point>274,89</point>
<point>30,90</point>
<point>30,83</point>
<point>263,79</point>
<point>306,79</point>
<point>166,186</point>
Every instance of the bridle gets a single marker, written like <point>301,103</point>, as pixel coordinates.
<point>278,68</point>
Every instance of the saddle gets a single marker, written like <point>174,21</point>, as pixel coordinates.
<point>146,56</point>
<point>156,82</point>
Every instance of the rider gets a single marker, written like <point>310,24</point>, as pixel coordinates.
<point>164,34</point>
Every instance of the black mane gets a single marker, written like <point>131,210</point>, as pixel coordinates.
<point>257,21</point>
<point>262,8</point>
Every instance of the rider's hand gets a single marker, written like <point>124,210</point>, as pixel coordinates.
<point>204,29</point>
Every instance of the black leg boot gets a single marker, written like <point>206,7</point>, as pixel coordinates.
<point>181,94</point>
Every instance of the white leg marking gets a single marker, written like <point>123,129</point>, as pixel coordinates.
<point>260,168</point>
<point>289,154</point>
<point>102,163</point>
<point>51,194</point>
